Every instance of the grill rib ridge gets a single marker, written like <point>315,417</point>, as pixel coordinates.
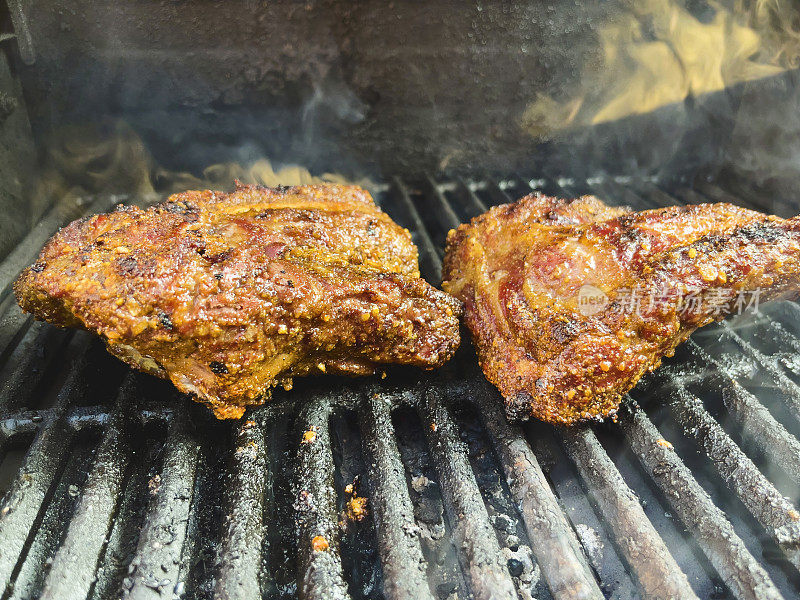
<point>243,529</point>
<point>656,571</point>
<point>429,261</point>
<point>557,549</point>
<point>320,574</point>
<point>34,483</point>
<point>475,538</point>
<point>398,534</point>
<point>716,536</point>
<point>755,419</point>
<point>75,564</point>
<point>778,516</point>
<point>157,566</point>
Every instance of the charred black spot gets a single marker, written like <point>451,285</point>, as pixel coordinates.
<point>564,331</point>
<point>290,283</point>
<point>219,257</point>
<point>38,267</point>
<point>177,208</point>
<point>217,276</point>
<point>165,320</point>
<point>282,188</point>
<point>218,367</point>
<point>765,231</point>
<point>626,221</point>
<point>133,267</point>
<point>128,265</point>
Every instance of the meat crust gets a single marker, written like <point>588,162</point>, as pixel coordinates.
<point>229,294</point>
<point>570,302</point>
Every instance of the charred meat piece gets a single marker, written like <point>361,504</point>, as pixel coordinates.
<point>571,302</point>
<point>228,294</point>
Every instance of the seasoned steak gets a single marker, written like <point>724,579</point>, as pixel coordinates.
<point>570,302</point>
<point>228,295</point>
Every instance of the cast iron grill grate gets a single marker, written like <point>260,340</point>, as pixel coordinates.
<point>116,487</point>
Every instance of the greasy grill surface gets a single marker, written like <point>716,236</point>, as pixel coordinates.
<point>116,486</point>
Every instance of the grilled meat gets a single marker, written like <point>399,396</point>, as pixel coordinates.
<point>229,294</point>
<point>571,302</point>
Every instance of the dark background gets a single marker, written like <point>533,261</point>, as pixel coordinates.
<point>366,88</point>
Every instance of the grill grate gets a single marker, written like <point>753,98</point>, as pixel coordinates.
<point>116,486</point>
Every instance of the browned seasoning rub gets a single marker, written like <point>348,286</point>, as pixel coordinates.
<point>570,302</point>
<point>228,295</point>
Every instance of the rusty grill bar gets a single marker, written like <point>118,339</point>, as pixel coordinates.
<point>118,487</point>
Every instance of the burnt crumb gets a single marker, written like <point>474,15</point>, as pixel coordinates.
<point>38,267</point>
<point>218,368</point>
<point>290,283</point>
<point>218,276</point>
<point>133,267</point>
<point>219,257</point>
<point>179,208</point>
<point>564,331</point>
<point>128,265</point>
<point>766,231</point>
<point>282,188</point>
<point>164,319</point>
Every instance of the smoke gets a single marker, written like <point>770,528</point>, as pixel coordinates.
<point>111,158</point>
<point>653,54</point>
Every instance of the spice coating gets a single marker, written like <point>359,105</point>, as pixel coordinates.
<point>521,270</point>
<point>228,295</point>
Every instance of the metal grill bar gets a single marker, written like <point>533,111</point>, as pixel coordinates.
<point>429,262</point>
<point>771,366</point>
<point>554,543</point>
<point>243,527</point>
<point>398,534</point>
<point>475,539</point>
<point>33,358</point>
<point>765,503</point>
<point>158,563</point>
<point>757,422</point>
<point>320,575</point>
<point>780,332</point>
<point>74,566</point>
<point>13,325</point>
<point>31,489</point>
<point>726,551</point>
<point>656,571</point>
